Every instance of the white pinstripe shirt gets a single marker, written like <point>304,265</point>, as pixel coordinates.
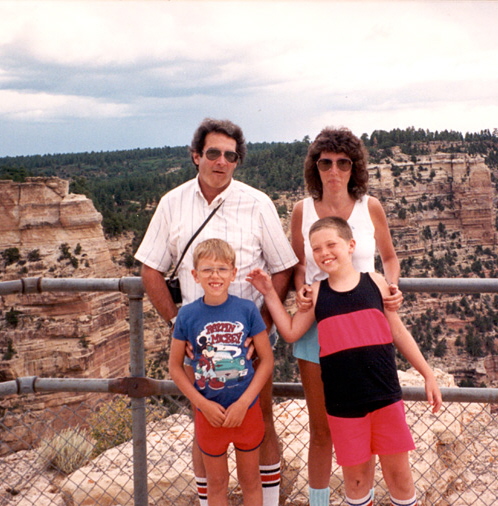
<point>247,220</point>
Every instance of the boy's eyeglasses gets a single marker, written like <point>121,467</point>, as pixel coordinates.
<point>325,164</point>
<point>209,271</point>
<point>214,154</point>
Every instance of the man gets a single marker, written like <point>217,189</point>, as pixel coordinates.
<point>248,221</point>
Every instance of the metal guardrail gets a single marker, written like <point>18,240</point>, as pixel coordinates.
<point>449,285</point>
<point>133,285</point>
<point>135,387</point>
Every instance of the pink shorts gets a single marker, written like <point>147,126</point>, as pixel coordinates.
<point>214,441</point>
<point>382,432</point>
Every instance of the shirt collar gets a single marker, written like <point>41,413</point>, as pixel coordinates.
<point>219,198</point>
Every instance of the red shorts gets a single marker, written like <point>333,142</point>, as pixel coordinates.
<point>214,441</point>
<point>382,432</point>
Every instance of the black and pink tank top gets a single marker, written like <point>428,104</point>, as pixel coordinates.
<point>357,354</point>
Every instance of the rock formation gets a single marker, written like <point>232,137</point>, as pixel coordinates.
<point>455,191</point>
<point>56,234</point>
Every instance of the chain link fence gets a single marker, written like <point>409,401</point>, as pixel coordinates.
<point>128,441</point>
<point>83,453</point>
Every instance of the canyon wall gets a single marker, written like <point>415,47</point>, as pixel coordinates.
<point>452,190</point>
<point>56,234</point>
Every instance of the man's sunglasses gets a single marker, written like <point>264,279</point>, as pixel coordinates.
<point>325,164</point>
<point>214,154</point>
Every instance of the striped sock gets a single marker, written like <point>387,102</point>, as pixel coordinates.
<point>319,496</point>
<point>201,484</point>
<point>366,501</point>
<point>270,478</point>
<point>405,502</point>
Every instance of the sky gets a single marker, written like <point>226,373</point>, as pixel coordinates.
<point>105,75</point>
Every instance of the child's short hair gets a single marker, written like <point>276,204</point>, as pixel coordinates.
<point>214,248</point>
<point>340,225</point>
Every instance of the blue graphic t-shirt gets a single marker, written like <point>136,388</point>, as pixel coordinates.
<point>218,334</point>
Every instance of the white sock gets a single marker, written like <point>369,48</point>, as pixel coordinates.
<point>319,496</point>
<point>201,485</point>
<point>365,501</point>
<point>405,502</point>
<point>270,478</point>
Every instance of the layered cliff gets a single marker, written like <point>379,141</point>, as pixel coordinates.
<point>446,192</point>
<point>47,232</point>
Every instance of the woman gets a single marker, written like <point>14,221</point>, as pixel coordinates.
<point>336,176</point>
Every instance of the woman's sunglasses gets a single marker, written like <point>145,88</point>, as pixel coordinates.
<point>325,164</point>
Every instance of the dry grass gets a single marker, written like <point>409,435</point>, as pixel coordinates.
<point>67,451</point>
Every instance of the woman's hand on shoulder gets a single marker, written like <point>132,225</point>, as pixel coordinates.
<point>304,298</point>
<point>392,296</point>
<point>393,301</point>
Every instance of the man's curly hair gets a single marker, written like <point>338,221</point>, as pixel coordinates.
<point>219,126</point>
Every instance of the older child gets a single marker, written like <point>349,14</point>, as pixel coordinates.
<point>362,392</point>
<point>226,386</point>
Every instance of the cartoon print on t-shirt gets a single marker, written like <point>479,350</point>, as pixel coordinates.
<point>221,360</point>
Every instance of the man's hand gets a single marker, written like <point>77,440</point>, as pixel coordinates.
<point>250,348</point>
<point>189,350</point>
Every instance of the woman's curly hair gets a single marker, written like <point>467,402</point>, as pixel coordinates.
<point>337,140</point>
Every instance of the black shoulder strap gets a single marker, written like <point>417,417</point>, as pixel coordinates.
<point>194,236</point>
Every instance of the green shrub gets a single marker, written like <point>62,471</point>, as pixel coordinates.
<point>84,342</point>
<point>67,450</point>
<point>12,317</point>
<point>11,255</point>
<point>34,255</point>
<point>65,251</point>
<point>111,425</point>
<point>282,210</point>
<point>11,351</point>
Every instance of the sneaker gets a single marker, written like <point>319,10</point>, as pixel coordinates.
<point>216,384</point>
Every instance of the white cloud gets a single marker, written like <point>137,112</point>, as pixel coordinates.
<point>44,107</point>
<point>282,69</point>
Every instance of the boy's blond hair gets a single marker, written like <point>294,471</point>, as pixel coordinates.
<point>340,225</point>
<point>218,249</point>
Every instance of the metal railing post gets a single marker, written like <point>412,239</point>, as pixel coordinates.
<point>137,369</point>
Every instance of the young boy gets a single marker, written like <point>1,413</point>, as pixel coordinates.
<point>362,392</point>
<point>226,386</point>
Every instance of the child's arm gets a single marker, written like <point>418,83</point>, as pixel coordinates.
<point>290,328</point>
<point>409,349</point>
<point>214,412</point>
<point>237,411</point>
